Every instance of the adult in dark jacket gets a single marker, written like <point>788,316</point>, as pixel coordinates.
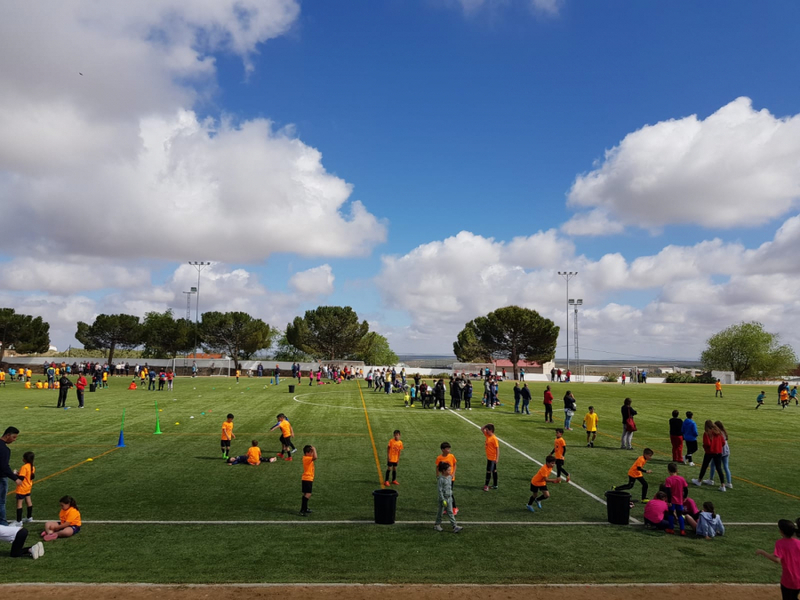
<point>438,394</point>
<point>63,389</point>
<point>6,472</point>
<point>517,397</point>
<point>570,406</point>
<point>526,398</point>
<point>626,442</point>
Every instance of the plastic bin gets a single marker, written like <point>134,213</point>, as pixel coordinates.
<point>92,387</point>
<point>385,506</point>
<point>619,507</point>
<point>291,389</point>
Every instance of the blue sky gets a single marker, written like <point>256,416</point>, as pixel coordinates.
<point>235,139</point>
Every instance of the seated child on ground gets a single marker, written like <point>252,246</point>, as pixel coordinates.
<point>709,523</point>
<point>69,521</point>
<point>253,457</point>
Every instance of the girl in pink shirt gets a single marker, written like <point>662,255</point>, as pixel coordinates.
<point>787,554</point>
<point>655,513</point>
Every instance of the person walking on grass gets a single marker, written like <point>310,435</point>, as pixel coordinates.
<point>787,555</point>
<point>713,444</point>
<point>448,457</point>
<point>628,425</point>
<point>559,452</point>
<point>526,399</point>
<point>548,405</point>
<point>637,473</point>
<point>570,406</point>
<point>445,486</point>
<point>590,425</point>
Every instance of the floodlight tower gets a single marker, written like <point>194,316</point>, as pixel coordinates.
<point>199,265</point>
<point>567,275</point>
<point>189,303</point>
<point>575,304</point>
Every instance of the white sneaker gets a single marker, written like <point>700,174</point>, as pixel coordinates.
<point>27,520</point>
<point>728,485</point>
<point>691,464</point>
<point>16,524</point>
<point>697,482</point>
<point>708,481</point>
<point>722,488</point>
<point>40,546</point>
<point>35,552</point>
<point>438,528</point>
<point>456,529</point>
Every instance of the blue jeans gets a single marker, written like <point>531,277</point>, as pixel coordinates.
<point>516,405</point>
<point>525,407</point>
<point>567,420</point>
<point>3,492</point>
<point>277,378</point>
<point>725,468</point>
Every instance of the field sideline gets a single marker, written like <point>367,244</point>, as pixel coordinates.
<point>172,497</point>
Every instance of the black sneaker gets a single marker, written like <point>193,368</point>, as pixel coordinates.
<point>304,513</point>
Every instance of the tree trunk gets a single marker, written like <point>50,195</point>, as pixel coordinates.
<point>111,353</point>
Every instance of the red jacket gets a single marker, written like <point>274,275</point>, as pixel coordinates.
<point>713,444</point>
<point>81,383</point>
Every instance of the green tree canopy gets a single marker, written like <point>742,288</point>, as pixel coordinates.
<point>109,332</point>
<point>467,346</point>
<point>164,336</point>
<point>237,334</point>
<point>23,333</point>
<point>516,333</point>
<point>327,332</point>
<point>374,349</point>
<point>748,351</point>
<point>284,351</point>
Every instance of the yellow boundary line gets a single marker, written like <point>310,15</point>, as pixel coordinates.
<point>371,437</point>
<point>38,481</point>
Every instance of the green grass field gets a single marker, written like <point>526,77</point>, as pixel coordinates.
<point>180,476</point>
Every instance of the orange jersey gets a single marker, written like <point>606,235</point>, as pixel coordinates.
<point>71,516</point>
<point>450,460</point>
<point>26,472</point>
<point>540,479</point>
<point>254,455</point>
<point>492,446</point>
<point>227,431</point>
<point>286,428</point>
<point>718,386</point>
<point>559,446</point>
<point>784,396</point>
<point>395,446</point>
<point>308,468</point>
<point>634,470</point>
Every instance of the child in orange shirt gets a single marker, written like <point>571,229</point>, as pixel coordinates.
<point>559,450</point>
<point>26,473</point>
<point>492,456</point>
<point>287,432</point>
<point>309,469</point>
<point>69,521</point>
<point>636,473</point>
<point>227,436</point>
<point>447,457</point>
<point>539,492</point>
<point>253,457</point>
<point>393,457</point>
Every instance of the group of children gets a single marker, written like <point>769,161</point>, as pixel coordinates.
<point>254,457</point>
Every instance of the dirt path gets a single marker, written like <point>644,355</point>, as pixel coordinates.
<point>398,592</point>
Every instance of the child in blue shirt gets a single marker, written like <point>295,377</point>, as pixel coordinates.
<point>689,429</point>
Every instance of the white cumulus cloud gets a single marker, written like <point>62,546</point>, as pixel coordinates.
<point>314,282</point>
<point>737,167</point>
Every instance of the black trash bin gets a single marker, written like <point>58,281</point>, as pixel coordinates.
<point>291,389</point>
<point>92,387</point>
<point>619,507</point>
<point>385,506</point>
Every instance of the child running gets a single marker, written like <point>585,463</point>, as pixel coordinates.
<point>69,521</point>
<point>444,483</point>
<point>558,451</point>
<point>637,473</point>
<point>677,488</point>
<point>447,457</point>
<point>590,424</point>
<point>539,492</point>
<point>286,436</point>
<point>309,460</point>
<point>760,399</point>
<point>787,555</point>
<point>227,436</point>
<point>492,456</point>
<point>26,473</point>
<point>393,457</point>
<point>253,457</point>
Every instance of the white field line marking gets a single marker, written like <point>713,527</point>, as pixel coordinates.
<point>393,585</point>
<point>365,522</point>
<point>530,458</point>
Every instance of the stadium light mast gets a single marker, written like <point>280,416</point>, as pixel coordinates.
<point>575,304</point>
<point>199,265</point>
<point>567,275</point>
